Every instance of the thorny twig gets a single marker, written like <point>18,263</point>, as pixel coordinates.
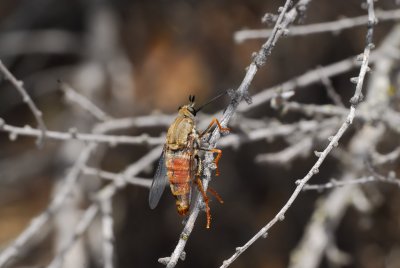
<point>19,86</point>
<point>334,141</point>
<point>285,18</point>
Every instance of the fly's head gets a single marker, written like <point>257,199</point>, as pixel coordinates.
<point>188,110</point>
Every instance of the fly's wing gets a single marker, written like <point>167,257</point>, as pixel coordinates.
<point>159,182</point>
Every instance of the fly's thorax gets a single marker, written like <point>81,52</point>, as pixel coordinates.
<point>180,132</point>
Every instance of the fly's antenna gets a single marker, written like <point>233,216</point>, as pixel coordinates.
<point>191,98</point>
<point>213,99</point>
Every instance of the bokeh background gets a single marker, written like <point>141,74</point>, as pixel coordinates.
<point>135,57</point>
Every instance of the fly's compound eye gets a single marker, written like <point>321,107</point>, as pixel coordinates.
<point>180,107</point>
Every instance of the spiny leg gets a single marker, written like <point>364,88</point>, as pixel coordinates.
<point>216,159</point>
<point>214,193</point>
<point>213,122</point>
<point>205,198</point>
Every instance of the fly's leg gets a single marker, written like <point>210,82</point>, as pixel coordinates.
<point>209,189</point>
<point>216,159</point>
<point>201,189</point>
<point>214,193</point>
<point>205,198</point>
<point>213,122</point>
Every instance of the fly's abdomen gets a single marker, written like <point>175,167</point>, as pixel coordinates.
<point>179,172</point>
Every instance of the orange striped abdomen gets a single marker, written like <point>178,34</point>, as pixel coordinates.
<point>179,171</point>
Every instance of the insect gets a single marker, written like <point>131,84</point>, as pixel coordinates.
<point>180,163</point>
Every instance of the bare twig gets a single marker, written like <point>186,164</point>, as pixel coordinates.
<point>108,233</point>
<point>19,86</point>
<point>84,137</point>
<point>117,177</point>
<point>337,100</point>
<point>306,79</point>
<point>38,222</point>
<point>332,26</point>
<point>334,141</point>
<point>40,41</point>
<point>326,216</point>
<point>106,193</point>
<point>73,96</point>
<point>335,183</point>
<point>380,159</point>
<point>285,18</point>
<point>81,227</point>
<point>301,148</point>
<point>313,109</point>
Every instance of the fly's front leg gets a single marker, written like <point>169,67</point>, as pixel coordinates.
<point>216,159</point>
<point>213,122</point>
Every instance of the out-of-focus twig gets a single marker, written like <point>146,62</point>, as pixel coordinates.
<point>73,96</point>
<point>301,148</point>
<point>332,26</point>
<point>106,193</point>
<point>335,183</point>
<point>117,177</point>
<point>85,137</point>
<point>380,159</point>
<point>337,100</point>
<point>108,233</point>
<point>19,86</point>
<point>38,222</point>
<point>301,81</point>
<point>39,41</point>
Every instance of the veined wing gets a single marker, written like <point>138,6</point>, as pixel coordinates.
<point>159,182</point>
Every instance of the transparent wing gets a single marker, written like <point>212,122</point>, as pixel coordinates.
<point>159,182</point>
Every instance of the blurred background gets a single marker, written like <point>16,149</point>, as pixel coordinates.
<point>132,58</point>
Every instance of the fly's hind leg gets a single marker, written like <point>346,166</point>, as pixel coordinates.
<point>203,193</point>
<point>214,193</point>
<point>213,122</point>
<point>205,198</point>
<point>201,190</point>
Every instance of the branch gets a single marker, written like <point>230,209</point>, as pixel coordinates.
<point>118,178</point>
<point>113,140</point>
<point>39,221</point>
<point>332,26</point>
<point>334,141</point>
<point>306,79</point>
<point>336,184</point>
<point>108,233</point>
<point>87,105</point>
<point>285,18</point>
<point>106,193</point>
<point>19,86</point>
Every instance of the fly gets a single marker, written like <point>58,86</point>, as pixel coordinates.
<point>180,164</point>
